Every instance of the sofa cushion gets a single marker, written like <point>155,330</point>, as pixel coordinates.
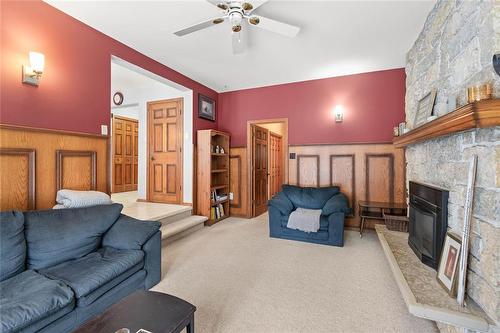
<point>12,244</point>
<point>29,298</point>
<point>281,202</point>
<point>87,274</point>
<point>58,235</point>
<point>129,233</point>
<point>309,197</point>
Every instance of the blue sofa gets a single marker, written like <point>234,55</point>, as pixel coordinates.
<point>333,204</point>
<point>59,268</point>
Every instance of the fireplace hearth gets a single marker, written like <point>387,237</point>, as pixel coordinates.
<point>428,222</point>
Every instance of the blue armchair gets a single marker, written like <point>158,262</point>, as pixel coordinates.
<point>333,204</point>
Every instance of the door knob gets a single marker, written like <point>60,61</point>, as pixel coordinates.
<point>152,158</point>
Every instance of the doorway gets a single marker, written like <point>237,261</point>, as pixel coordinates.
<point>137,90</point>
<point>165,151</point>
<point>267,144</point>
<point>125,140</point>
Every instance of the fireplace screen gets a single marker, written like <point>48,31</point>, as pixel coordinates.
<point>423,230</point>
<point>428,221</point>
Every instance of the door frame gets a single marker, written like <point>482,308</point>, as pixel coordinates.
<point>180,138</point>
<point>112,150</point>
<point>250,210</point>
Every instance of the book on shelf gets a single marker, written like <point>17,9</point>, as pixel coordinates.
<point>217,212</point>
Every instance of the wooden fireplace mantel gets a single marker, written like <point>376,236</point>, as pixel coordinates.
<point>480,114</point>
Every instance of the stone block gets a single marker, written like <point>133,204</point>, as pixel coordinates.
<point>483,294</point>
<point>488,135</point>
<point>487,205</point>
<point>488,265</point>
<point>467,63</point>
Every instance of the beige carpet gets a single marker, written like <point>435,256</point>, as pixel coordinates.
<point>243,281</point>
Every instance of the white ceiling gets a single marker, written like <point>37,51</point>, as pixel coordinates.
<point>337,38</point>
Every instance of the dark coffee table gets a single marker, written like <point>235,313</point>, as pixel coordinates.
<point>149,310</point>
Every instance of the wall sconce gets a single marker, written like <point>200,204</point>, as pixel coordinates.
<point>33,73</point>
<point>339,113</point>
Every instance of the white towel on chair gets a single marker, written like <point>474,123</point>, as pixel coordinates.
<point>304,219</point>
<point>77,199</point>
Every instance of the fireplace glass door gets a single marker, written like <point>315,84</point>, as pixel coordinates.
<point>422,226</point>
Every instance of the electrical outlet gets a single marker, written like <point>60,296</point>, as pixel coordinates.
<point>231,196</point>
<point>104,129</point>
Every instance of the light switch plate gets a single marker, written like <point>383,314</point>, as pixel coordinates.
<point>104,129</point>
<point>231,196</point>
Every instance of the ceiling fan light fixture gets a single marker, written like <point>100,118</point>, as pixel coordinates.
<point>246,6</point>
<point>254,20</point>
<point>222,6</point>
<point>236,28</point>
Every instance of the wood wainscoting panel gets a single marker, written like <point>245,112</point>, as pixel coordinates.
<point>76,170</point>
<point>238,181</point>
<point>379,177</point>
<point>346,171</point>
<point>342,174</point>
<point>45,143</point>
<point>308,170</point>
<point>17,179</point>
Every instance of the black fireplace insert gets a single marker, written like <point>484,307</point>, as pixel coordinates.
<point>428,222</point>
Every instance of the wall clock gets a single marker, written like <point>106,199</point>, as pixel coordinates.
<point>118,98</point>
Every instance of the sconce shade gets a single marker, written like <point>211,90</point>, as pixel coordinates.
<point>339,113</point>
<point>37,62</point>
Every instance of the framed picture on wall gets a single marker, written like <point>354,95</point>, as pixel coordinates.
<point>448,264</point>
<point>206,107</point>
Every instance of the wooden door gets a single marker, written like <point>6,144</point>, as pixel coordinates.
<point>260,169</point>
<point>165,151</point>
<point>135,179</point>
<point>125,156</point>
<point>275,163</point>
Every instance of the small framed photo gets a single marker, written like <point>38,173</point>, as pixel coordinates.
<point>425,109</point>
<point>448,264</point>
<point>206,107</point>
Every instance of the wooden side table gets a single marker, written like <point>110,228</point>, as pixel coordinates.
<point>375,210</point>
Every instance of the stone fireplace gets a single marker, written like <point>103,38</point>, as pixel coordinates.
<point>453,51</point>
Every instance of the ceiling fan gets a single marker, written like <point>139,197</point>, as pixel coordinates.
<point>237,13</point>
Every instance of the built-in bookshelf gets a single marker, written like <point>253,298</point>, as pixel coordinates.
<point>212,175</point>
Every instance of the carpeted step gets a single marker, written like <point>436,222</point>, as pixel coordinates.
<point>178,229</point>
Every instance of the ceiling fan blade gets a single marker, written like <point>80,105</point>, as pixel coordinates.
<point>274,26</point>
<point>200,26</point>
<point>239,42</point>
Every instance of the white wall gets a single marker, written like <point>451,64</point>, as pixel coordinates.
<point>138,89</point>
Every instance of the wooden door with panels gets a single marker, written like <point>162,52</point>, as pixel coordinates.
<point>125,154</point>
<point>260,171</point>
<point>275,163</point>
<point>165,130</point>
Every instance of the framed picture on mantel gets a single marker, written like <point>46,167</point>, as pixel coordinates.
<point>424,109</point>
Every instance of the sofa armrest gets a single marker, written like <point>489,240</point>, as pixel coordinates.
<point>152,260</point>
<point>336,204</point>
<point>336,228</point>
<point>281,203</point>
<point>128,233</point>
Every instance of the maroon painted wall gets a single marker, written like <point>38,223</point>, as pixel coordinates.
<point>75,88</point>
<point>373,104</point>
